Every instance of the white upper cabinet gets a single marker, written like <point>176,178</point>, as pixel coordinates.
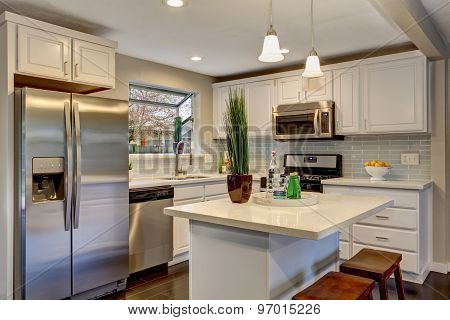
<point>260,100</point>
<point>346,97</point>
<point>394,96</point>
<point>220,97</point>
<point>318,89</point>
<point>93,63</point>
<point>289,90</point>
<point>42,53</point>
<point>297,89</point>
<point>59,54</point>
<point>379,95</point>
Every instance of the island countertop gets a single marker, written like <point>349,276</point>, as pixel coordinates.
<point>332,213</point>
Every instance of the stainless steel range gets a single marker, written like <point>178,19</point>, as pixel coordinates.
<point>313,168</point>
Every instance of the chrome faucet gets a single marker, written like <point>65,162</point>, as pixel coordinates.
<point>177,159</point>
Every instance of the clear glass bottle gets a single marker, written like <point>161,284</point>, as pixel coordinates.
<point>273,175</point>
<point>279,190</point>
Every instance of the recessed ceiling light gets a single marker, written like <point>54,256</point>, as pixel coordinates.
<point>196,58</point>
<point>174,3</point>
<point>284,51</point>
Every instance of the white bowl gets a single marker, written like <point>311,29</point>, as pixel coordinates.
<point>377,173</point>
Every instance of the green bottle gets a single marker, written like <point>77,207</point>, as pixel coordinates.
<point>293,189</point>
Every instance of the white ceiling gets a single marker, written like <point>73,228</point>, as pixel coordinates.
<point>439,10</point>
<point>227,33</point>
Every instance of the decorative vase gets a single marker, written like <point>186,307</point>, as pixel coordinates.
<point>239,187</point>
<point>130,175</point>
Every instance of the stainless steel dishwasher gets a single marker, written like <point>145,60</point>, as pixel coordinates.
<point>151,232</point>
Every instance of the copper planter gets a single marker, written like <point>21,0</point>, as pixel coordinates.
<point>239,187</point>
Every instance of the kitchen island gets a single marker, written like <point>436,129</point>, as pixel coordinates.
<point>249,251</point>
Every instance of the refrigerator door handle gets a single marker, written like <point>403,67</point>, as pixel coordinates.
<point>77,180</point>
<point>68,166</point>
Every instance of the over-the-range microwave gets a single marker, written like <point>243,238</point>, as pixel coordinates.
<point>312,120</point>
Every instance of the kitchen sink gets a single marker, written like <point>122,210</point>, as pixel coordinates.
<point>184,177</point>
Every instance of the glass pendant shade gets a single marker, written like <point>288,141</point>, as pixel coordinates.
<point>312,68</point>
<point>271,49</point>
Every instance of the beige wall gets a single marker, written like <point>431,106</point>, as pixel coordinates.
<point>448,162</point>
<point>146,72</point>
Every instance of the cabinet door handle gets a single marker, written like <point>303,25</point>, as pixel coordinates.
<point>77,69</point>
<point>66,63</point>
<point>382,217</point>
<point>381,238</point>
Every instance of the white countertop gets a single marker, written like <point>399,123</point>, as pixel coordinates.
<point>147,182</point>
<point>331,214</point>
<point>393,184</point>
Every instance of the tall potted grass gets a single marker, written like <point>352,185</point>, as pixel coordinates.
<point>239,182</point>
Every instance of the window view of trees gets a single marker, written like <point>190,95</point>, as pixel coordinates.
<point>152,114</point>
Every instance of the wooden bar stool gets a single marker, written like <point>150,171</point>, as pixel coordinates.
<point>338,286</point>
<point>379,266</point>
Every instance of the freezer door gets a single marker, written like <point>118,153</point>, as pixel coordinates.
<point>100,207</point>
<point>43,235</point>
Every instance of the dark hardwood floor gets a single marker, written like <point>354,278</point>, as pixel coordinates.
<point>160,284</point>
<point>173,284</point>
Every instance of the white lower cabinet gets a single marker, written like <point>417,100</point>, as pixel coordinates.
<point>181,229</point>
<point>188,194</point>
<point>404,228</point>
<point>194,193</point>
<point>409,260</point>
<point>386,237</point>
<point>344,250</point>
<point>184,195</point>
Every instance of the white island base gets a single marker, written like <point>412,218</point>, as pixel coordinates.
<point>234,263</point>
<point>251,251</point>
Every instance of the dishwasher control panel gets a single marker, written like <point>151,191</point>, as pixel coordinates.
<point>151,194</point>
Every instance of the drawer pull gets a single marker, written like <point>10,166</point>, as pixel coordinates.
<point>382,217</point>
<point>381,238</point>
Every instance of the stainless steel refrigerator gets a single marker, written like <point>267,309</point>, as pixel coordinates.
<point>71,235</point>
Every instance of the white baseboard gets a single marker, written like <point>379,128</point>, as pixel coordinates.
<point>179,258</point>
<point>440,267</point>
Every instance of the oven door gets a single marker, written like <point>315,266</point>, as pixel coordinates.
<point>296,125</point>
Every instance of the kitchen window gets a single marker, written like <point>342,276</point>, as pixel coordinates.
<point>152,113</point>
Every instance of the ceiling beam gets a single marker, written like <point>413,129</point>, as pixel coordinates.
<point>415,22</point>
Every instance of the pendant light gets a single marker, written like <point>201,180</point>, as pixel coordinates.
<point>271,47</point>
<point>312,69</point>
